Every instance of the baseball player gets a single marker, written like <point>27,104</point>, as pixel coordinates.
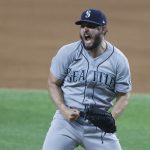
<point>90,71</point>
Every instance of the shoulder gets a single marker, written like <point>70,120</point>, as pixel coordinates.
<point>117,53</point>
<point>67,53</point>
<point>70,48</point>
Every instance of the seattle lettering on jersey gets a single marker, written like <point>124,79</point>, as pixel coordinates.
<point>76,76</point>
<point>100,78</point>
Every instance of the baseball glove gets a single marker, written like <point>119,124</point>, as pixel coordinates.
<point>100,118</point>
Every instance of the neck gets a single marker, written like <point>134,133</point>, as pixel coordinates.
<point>99,50</point>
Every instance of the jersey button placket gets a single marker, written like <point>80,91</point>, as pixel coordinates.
<point>90,83</point>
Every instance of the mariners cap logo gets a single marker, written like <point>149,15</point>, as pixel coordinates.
<point>88,14</point>
<point>103,22</point>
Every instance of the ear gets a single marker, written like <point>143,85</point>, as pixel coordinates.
<point>105,29</point>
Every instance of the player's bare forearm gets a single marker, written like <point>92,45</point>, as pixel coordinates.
<point>55,92</point>
<point>120,105</point>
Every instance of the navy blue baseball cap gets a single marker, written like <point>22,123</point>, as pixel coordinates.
<point>92,16</point>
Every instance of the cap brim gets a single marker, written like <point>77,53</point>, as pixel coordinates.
<point>80,22</point>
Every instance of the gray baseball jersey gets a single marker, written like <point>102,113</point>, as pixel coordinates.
<point>88,80</point>
<point>91,80</point>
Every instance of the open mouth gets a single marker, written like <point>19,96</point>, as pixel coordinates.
<point>87,37</point>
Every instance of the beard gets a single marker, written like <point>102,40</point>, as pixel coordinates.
<point>97,41</point>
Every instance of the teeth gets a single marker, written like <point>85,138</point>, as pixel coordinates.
<point>87,37</point>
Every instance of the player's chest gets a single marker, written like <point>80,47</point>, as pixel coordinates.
<point>91,72</point>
